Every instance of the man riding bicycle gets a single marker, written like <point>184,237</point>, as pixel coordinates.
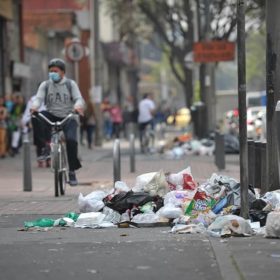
<point>61,96</point>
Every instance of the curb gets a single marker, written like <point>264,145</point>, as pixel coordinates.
<point>226,262</point>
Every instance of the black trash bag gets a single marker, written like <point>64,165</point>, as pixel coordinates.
<point>258,216</point>
<point>231,144</point>
<point>159,202</point>
<point>234,196</point>
<point>258,204</point>
<point>126,200</point>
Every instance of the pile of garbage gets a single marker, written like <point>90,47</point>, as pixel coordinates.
<point>177,200</point>
<point>181,146</point>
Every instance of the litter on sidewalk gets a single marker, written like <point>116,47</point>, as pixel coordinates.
<point>184,145</point>
<point>177,200</point>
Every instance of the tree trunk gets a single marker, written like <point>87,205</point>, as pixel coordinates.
<point>188,87</point>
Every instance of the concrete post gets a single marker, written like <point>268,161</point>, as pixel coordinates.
<point>132,152</point>
<point>220,151</point>
<point>251,162</point>
<point>27,175</point>
<point>264,188</point>
<point>116,161</point>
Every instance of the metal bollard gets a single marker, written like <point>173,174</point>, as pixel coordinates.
<point>220,151</point>
<point>264,184</point>
<point>117,160</point>
<point>258,165</point>
<point>132,152</point>
<point>27,175</point>
<point>251,162</point>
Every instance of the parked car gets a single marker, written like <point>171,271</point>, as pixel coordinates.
<point>181,118</point>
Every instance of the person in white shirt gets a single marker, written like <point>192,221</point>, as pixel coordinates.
<point>146,110</point>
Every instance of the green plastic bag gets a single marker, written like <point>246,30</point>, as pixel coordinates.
<point>44,222</point>
<point>72,215</point>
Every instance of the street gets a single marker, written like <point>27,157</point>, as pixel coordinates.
<point>117,253</point>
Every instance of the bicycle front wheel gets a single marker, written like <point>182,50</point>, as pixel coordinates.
<point>63,169</point>
<point>55,164</point>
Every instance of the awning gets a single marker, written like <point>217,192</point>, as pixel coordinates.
<point>6,9</point>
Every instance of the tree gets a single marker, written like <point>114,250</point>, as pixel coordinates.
<point>255,68</point>
<point>174,22</point>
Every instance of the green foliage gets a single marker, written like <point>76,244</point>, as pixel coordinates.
<point>197,91</point>
<point>255,60</point>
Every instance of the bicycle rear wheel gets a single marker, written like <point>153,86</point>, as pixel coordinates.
<point>55,164</point>
<point>63,169</point>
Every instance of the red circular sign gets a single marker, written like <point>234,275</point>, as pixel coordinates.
<point>75,51</point>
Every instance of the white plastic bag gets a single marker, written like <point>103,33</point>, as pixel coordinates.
<point>273,224</point>
<point>142,181</point>
<point>158,185</point>
<point>233,223</point>
<point>146,218</point>
<point>90,220</point>
<point>111,215</point>
<point>177,178</point>
<point>170,211</point>
<point>272,198</point>
<point>121,187</point>
<point>91,202</point>
<point>179,198</point>
<point>191,228</point>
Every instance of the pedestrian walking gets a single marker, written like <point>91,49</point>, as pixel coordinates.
<point>90,123</point>
<point>107,122</point>
<point>117,119</point>
<point>3,128</point>
<point>146,110</point>
<point>15,124</point>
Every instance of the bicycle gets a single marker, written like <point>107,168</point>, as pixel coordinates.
<point>59,161</point>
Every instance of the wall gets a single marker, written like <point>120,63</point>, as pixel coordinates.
<point>226,100</point>
<point>38,62</point>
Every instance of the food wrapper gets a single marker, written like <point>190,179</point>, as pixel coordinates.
<point>201,203</point>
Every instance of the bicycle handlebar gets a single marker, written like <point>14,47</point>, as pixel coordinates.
<point>57,123</point>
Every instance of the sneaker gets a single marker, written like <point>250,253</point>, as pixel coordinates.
<point>48,163</point>
<point>41,158</point>
<point>72,179</point>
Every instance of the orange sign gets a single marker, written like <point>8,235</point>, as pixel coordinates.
<point>213,51</point>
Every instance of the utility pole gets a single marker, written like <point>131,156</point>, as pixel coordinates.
<point>241,4</point>
<point>272,90</point>
<point>206,70</point>
<point>96,89</point>
<point>209,78</point>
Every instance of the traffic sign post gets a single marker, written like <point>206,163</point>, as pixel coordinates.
<point>213,51</point>
<point>75,52</point>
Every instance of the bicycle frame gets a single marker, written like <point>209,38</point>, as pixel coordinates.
<point>58,154</point>
<point>56,129</point>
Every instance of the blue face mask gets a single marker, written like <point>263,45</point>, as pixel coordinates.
<point>54,76</point>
